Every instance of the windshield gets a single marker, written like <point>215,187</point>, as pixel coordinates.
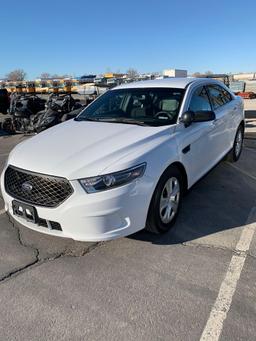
<point>145,106</point>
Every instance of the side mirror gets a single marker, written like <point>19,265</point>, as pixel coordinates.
<point>204,116</point>
<point>187,118</point>
<point>199,116</point>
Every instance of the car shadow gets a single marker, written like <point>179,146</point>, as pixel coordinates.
<point>220,201</point>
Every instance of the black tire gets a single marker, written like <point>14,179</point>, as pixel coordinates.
<point>234,154</point>
<point>154,221</point>
<point>7,126</point>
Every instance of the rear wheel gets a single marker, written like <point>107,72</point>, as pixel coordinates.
<point>236,151</point>
<point>165,203</point>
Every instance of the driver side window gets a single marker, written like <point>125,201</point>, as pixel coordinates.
<point>200,100</point>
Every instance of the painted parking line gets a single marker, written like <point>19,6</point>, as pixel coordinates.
<point>250,149</point>
<point>220,309</point>
<point>2,212</point>
<point>241,171</point>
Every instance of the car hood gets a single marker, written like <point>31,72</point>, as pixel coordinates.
<point>77,149</point>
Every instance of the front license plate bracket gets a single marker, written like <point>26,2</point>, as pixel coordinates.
<point>25,211</point>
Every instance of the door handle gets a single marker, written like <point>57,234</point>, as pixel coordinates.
<point>186,149</point>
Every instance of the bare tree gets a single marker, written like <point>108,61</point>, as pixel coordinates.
<point>45,75</point>
<point>196,74</point>
<point>208,72</point>
<point>16,75</point>
<point>132,73</point>
<point>55,75</point>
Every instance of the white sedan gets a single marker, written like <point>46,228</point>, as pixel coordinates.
<point>124,163</point>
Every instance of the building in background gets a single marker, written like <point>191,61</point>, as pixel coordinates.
<point>175,73</point>
<point>244,76</point>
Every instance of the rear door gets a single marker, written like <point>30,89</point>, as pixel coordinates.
<point>224,108</point>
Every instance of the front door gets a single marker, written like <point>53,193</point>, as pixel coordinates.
<point>197,142</point>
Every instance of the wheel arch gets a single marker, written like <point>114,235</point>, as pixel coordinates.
<point>242,123</point>
<point>181,169</point>
<point>183,172</point>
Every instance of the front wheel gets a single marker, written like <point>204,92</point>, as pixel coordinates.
<point>165,203</point>
<point>236,150</point>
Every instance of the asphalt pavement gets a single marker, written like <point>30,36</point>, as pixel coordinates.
<point>198,282</point>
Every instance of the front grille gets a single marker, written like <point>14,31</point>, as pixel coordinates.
<point>36,189</point>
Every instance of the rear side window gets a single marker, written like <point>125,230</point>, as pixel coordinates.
<point>219,96</point>
<point>200,100</point>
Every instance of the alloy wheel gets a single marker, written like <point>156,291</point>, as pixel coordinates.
<point>238,142</point>
<point>169,200</point>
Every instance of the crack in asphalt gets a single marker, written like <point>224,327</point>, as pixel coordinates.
<point>68,253</point>
<point>217,247</point>
<point>39,261</point>
<point>209,246</point>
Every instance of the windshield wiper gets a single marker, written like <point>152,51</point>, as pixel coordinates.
<point>86,119</point>
<point>112,120</point>
<point>123,120</point>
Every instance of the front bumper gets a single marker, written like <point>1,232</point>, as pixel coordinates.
<point>94,217</point>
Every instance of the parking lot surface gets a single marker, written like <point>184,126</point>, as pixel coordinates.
<point>198,282</point>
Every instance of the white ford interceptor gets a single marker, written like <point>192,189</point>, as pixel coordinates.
<point>125,162</point>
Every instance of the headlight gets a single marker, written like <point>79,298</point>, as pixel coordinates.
<point>103,182</point>
<point>6,162</point>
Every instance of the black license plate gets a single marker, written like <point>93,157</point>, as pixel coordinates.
<point>25,211</point>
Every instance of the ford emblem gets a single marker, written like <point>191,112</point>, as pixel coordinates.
<point>26,186</point>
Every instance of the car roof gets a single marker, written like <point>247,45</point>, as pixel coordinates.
<point>176,82</point>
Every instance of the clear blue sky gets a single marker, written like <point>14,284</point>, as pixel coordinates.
<point>81,36</point>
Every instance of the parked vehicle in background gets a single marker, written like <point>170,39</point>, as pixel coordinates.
<point>125,162</point>
<point>237,86</point>
<point>74,86</point>
<point>31,87</point>
<point>4,101</point>
<point>250,86</point>
<point>11,86</point>
<point>218,76</point>
<point>100,80</point>
<point>56,107</point>
<point>87,79</point>
<point>32,114</point>
<point>42,86</point>
<point>67,86</point>
<point>56,86</point>
<point>23,107</point>
<point>246,95</point>
<point>112,81</point>
<point>21,87</point>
